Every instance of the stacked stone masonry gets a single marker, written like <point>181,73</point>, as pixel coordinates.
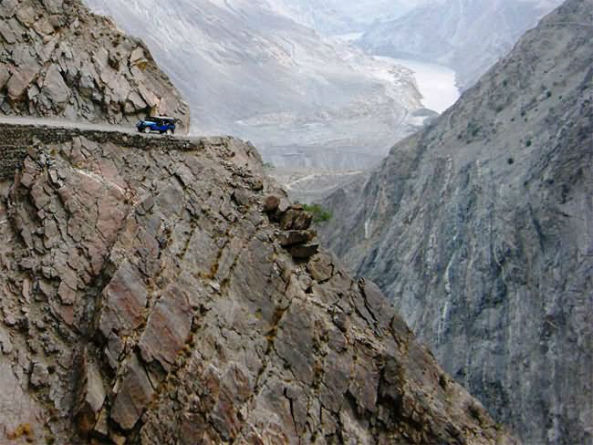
<point>16,140</point>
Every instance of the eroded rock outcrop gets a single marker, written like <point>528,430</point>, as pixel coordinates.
<point>479,230</point>
<point>151,296</point>
<point>59,60</point>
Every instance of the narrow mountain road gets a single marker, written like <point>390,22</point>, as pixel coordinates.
<point>62,123</point>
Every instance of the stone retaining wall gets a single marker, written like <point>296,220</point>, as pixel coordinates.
<point>15,140</point>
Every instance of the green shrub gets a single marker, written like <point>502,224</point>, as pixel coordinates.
<point>319,213</point>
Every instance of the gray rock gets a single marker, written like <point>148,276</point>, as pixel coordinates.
<point>91,396</point>
<point>4,76</point>
<point>17,420</point>
<point>39,375</point>
<point>5,343</point>
<point>476,230</point>
<point>55,87</point>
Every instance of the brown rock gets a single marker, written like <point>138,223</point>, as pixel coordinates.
<point>271,204</point>
<point>168,329</point>
<point>296,219</point>
<point>304,252</point>
<point>66,293</point>
<point>20,81</point>
<point>321,267</point>
<point>7,31</point>
<point>124,301</point>
<point>295,237</point>
<point>133,397</point>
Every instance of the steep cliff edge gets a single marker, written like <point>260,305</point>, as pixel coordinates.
<point>480,231</point>
<point>59,60</point>
<point>159,290</point>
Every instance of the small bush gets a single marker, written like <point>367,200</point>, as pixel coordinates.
<point>528,143</point>
<point>473,129</point>
<point>319,213</point>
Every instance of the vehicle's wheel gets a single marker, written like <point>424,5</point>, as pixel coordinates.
<point>169,132</point>
<point>147,130</point>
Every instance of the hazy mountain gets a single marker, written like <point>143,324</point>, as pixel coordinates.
<point>249,70</point>
<point>333,17</point>
<point>467,35</point>
<point>479,229</point>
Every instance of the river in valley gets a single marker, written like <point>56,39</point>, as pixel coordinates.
<point>435,82</point>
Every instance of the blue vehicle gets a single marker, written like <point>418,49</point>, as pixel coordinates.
<point>160,124</point>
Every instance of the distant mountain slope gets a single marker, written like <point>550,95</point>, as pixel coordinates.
<point>334,17</point>
<point>59,60</point>
<point>479,229</point>
<point>248,70</point>
<point>467,35</point>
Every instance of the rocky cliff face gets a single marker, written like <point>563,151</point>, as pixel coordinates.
<point>161,291</point>
<point>479,230</point>
<point>59,60</point>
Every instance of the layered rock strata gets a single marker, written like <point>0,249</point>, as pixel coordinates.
<point>59,60</point>
<point>479,230</point>
<point>172,295</point>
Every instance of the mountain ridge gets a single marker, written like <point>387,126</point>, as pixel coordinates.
<point>476,228</point>
<point>465,35</point>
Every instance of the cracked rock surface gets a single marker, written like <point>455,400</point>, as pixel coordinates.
<point>149,296</point>
<point>59,60</point>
